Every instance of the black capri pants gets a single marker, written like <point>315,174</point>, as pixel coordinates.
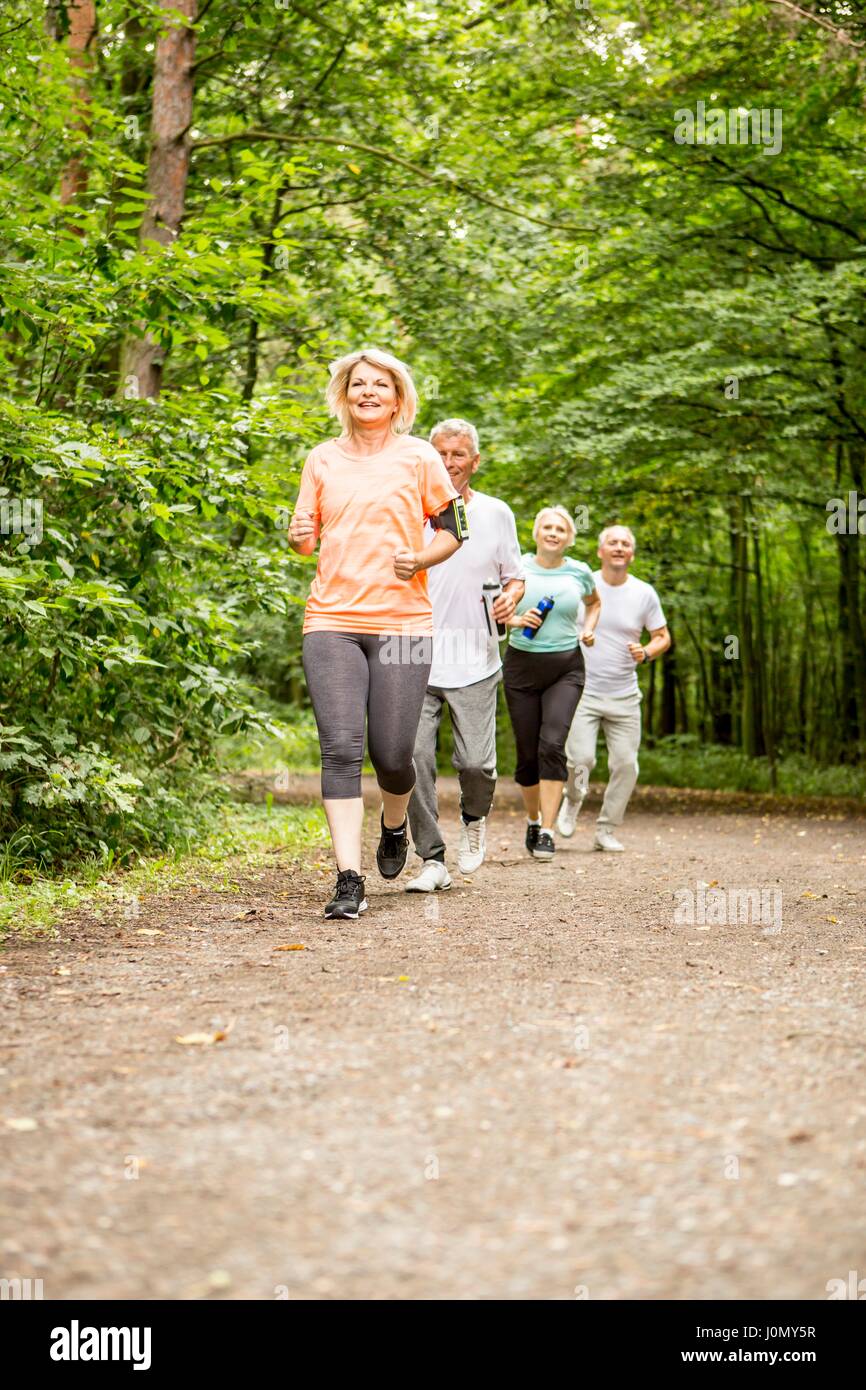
<point>364,678</point>
<point>542,691</point>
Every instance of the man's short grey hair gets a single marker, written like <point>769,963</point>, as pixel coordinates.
<point>455,426</point>
<point>607,530</point>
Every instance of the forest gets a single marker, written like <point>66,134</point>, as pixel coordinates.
<point>646,295</point>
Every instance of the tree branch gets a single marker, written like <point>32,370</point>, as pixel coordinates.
<point>840,35</point>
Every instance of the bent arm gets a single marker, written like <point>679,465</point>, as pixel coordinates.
<point>660,640</point>
<point>305,523</point>
<point>451,528</point>
<point>505,605</point>
<point>591,611</point>
<point>443,544</point>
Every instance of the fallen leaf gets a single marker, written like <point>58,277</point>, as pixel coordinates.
<point>295,946</point>
<point>204,1039</point>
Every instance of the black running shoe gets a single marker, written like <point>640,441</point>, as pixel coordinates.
<point>348,899</point>
<point>532,836</point>
<point>393,850</point>
<point>544,848</point>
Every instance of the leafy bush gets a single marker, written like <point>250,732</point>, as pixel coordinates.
<point>682,760</point>
<point>122,613</point>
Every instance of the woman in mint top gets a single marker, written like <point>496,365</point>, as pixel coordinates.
<point>544,674</point>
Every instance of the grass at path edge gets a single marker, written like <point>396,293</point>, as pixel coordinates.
<point>247,834</point>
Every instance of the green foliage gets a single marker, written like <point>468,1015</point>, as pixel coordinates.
<point>496,194</point>
<point>683,760</point>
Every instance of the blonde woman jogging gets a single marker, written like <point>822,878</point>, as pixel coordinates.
<point>368,620</point>
<point>544,670</point>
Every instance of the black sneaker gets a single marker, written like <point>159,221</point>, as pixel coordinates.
<point>348,899</point>
<point>544,848</point>
<point>393,850</point>
<point>532,836</point>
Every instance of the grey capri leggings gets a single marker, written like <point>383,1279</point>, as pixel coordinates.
<point>358,678</point>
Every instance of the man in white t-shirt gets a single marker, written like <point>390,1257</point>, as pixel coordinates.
<point>611,696</point>
<point>467,666</point>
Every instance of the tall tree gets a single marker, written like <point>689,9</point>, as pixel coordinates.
<point>167,172</point>
<point>81,19</point>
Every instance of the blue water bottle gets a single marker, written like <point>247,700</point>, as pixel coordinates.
<point>544,607</point>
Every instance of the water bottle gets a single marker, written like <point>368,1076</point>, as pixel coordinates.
<point>544,607</point>
<point>490,591</point>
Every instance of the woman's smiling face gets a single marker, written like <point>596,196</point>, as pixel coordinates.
<point>371,396</point>
<point>553,535</point>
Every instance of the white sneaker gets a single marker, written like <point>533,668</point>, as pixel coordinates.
<point>473,838</point>
<point>433,876</point>
<point>567,818</point>
<point>605,839</point>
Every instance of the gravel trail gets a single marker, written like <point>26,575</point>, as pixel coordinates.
<point>539,1085</point>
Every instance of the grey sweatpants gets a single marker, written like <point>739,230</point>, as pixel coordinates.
<point>473,723</point>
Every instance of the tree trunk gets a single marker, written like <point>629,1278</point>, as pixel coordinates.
<point>650,706</point>
<point>762,663</point>
<point>726,725</point>
<point>705,705</point>
<point>168,169</point>
<point>851,631</point>
<point>669,691</point>
<point>748,702</point>
<point>805,734</point>
<point>82,32</point>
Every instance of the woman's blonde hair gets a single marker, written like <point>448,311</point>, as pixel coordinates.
<point>562,514</point>
<point>341,372</point>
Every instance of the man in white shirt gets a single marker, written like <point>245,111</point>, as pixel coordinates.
<point>467,666</point>
<point>611,696</point>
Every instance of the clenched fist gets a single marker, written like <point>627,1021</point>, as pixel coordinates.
<point>406,564</point>
<point>302,527</point>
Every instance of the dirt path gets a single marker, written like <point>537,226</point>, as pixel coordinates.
<point>538,1085</point>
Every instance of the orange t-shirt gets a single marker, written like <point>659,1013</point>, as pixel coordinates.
<point>367,510</point>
